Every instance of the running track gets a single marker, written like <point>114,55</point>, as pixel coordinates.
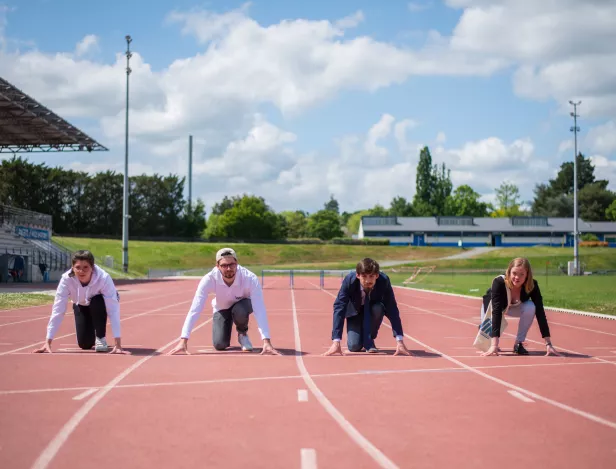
<point>444,407</point>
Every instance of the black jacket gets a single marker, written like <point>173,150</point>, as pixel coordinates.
<point>498,294</point>
<point>350,292</point>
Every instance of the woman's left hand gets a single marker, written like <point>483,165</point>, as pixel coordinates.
<point>551,351</point>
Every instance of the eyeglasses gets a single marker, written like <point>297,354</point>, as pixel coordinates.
<point>227,266</point>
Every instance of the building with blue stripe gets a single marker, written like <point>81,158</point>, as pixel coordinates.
<point>485,231</point>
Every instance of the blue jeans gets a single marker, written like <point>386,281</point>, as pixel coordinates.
<point>355,340</point>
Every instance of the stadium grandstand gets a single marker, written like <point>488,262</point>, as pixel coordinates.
<point>27,251</point>
<point>477,232</point>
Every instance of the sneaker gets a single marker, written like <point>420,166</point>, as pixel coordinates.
<point>101,345</point>
<point>373,350</point>
<point>244,342</point>
<point>520,350</point>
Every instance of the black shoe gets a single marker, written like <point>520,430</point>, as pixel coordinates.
<point>520,350</point>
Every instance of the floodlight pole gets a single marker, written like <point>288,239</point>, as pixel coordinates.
<point>125,216</point>
<point>575,129</point>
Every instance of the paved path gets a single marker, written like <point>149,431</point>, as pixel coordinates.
<point>466,254</point>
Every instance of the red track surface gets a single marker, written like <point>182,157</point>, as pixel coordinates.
<point>445,407</point>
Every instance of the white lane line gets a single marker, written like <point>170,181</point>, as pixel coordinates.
<point>271,378</point>
<point>302,395</point>
<point>538,397</point>
<point>8,352</point>
<point>308,457</point>
<point>506,333</point>
<point>382,460</point>
<point>25,320</point>
<point>85,394</point>
<point>520,396</point>
<point>65,432</point>
<point>560,405</point>
<point>583,328</point>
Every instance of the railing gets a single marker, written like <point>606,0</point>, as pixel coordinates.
<point>18,216</point>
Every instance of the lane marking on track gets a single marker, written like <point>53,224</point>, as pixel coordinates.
<point>271,378</point>
<point>85,394</point>
<point>302,395</point>
<point>382,460</point>
<point>308,457</point>
<point>538,397</point>
<point>65,432</point>
<point>8,352</point>
<point>520,396</point>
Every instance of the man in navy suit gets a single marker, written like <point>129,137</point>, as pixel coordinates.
<point>365,297</point>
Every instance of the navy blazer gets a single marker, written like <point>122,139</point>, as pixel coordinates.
<point>350,293</point>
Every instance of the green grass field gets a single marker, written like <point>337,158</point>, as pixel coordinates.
<point>20,300</point>
<point>588,293</point>
<point>144,255</point>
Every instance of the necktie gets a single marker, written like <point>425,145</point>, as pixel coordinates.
<point>367,326</point>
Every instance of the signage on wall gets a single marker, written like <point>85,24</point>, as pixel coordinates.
<point>32,233</point>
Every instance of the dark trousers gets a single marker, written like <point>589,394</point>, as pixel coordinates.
<point>90,322</point>
<point>355,337</point>
<point>224,319</point>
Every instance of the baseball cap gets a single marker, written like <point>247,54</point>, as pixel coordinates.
<point>225,252</point>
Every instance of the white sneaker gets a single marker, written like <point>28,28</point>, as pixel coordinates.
<point>101,345</point>
<point>244,342</point>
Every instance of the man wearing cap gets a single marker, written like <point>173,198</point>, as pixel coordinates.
<point>237,293</point>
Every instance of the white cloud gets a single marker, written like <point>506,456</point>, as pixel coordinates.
<point>379,131</point>
<point>416,7</point>
<point>571,61</point>
<point>87,44</point>
<point>602,139</point>
<point>605,169</point>
<point>298,64</point>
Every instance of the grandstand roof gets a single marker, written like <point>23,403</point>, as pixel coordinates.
<point>28,126</point>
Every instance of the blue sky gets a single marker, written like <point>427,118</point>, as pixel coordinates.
<point>458,68</point>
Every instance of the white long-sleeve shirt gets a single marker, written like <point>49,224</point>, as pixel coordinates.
<point>245,285</point>
<point>70,288</point>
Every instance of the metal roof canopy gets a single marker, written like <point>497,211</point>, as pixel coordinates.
<point>28,126</point>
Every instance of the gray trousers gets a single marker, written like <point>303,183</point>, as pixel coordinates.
<point>223,321</point>
<point>526,312</point>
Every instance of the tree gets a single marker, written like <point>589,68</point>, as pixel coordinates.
<point>324,224</point>
<point>332,205</point>
<point>249,219</point>
<point>563,183</point>
<point>507,195</point>
<point>297,223</point>
<point>610,212</point>
<point>400,207</point>
<point>595,199</point>
<point>424,183</point>
<point>441,190</point>
<point>465,202</point>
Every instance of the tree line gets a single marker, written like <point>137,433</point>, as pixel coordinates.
<point>86,204</point>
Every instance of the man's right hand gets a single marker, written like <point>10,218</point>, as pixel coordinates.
<point>181,347</point>
<point>336,348</point>
<point>45,348</point>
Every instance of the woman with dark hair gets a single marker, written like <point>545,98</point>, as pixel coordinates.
<point>94,297</point>
<point>517,294</point>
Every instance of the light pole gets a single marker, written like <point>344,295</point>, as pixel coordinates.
<point>125,216</point>
<point>575,129</point>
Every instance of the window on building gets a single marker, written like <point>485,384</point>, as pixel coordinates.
<point>529,221</point>
<point>455,221</point>
<point>366,221</point>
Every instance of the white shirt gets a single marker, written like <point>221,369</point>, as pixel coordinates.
<point>245,285</point>
<point>70,287</point>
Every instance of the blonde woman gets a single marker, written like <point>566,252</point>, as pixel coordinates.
<point>526,303</point>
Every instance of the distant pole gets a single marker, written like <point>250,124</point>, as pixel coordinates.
<point>575,129</point>
<point>125,202</point>
<point>190,149</point>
